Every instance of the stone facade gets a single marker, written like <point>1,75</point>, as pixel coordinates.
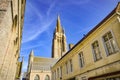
<point>11,23</point>
<point>39,67</point>
<point>96,56</point>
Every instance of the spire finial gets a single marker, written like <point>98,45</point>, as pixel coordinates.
<point>58,17</point>
<point>58,26</point>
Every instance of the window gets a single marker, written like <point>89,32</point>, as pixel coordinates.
<point>110,44</point>
<point>61,71</point>
<point>58,72</point>
<point>66,64</point>
<point>96,51</point>
<point>36,77</point>
<point>71,65</point>
<point>81,59</point>
<point>55,75</point>
<point>47,77</point>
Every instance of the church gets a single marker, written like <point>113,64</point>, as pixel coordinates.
<point>95,57</point>
<point>39,68</point>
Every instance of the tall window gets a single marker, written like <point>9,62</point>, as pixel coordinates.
<point>61,71</point>
<point>96,51</point>
<point>66,65</point>
<point>81,59</point>
<point>47,77</point>
<point>110,43</point>
<point>58,72</point>
<point>36,77</point>
<point>71,65</point>
<point>55,75</point>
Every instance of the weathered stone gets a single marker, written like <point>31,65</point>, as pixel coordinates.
<point>9,52</point>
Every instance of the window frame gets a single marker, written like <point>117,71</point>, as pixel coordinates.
<point>66,67</point>
<point>71,65</point>
<point>55,74</point>
<point>93,51</point>
<point>58,72</point>
<point>47,76</point>
<point>81,60</point>
<point>37,77</point>
<point>61,71</point>
<point>114,39</point>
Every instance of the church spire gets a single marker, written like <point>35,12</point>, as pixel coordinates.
<point>31,57</point>
<point>58,26</point>
<point>59,44</point>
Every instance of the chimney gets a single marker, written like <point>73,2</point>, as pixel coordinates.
<point>71,45</point>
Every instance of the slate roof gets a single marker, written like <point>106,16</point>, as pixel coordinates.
<point>41,63</point>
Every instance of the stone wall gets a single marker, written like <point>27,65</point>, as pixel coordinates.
<point>9,37</point>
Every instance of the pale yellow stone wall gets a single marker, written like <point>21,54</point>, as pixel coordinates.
<point>39,66</point>
<point>41,74</point>
<point>10,37</point>
<point>107,64</point>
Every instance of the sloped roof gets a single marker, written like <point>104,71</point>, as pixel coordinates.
<point>40,63</point>
<point>42,59</point>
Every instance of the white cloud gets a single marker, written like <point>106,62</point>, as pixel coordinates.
<point>45,1</point>
<point>35,10</point>
<point>35,27</point>
<point>38,31</point>
<point>73,2</point>
<point>33,46</point>
<point>80,1</point>
<point>52,5</point>
<point>85,30</point>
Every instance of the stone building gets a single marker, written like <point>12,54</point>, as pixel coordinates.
<point>59,44</point>
<point>11,24</point>
<point>96,56</point>
<point>39,68</point>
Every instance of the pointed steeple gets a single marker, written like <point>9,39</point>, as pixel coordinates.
<point>31,58</point>
<point>59,45</point>
<point>58,26</point>
<point>32,53</point>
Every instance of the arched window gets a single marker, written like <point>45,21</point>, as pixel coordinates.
<point>37,77</point>
<point>47,77</point>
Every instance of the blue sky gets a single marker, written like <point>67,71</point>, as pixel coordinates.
<point>77,18</point>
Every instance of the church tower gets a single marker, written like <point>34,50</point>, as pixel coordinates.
<point>59,44</point>
<point>31,57</point>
